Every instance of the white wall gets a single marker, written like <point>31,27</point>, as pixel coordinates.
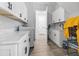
<point>72,8</point>
<point>33,6</point>
<point>7,23</point>
<point>7,26</point>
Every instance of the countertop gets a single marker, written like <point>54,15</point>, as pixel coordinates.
<point>12,37</point>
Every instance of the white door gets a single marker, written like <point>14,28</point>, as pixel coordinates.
<point>41,24</point>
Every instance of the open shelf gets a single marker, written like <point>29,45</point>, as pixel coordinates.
<point>8,13</point>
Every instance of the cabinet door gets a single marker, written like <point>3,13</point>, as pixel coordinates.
<point>58,15</point>
<point>52,35</point>
<point>23,47</point>
<point>55,37</point>
<point>7,5</point>
<point>58,38</point>
<point>16,8</point>
<point>24,11</point>
<point>8,50</point>
<point>4,4</point>
<point>20,9</point>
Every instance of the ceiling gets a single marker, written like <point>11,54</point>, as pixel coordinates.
<point>42,5</point>
<point>68,6</point>
<point>71,7</point>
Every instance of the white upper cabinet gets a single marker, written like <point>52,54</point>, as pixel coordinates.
<point>14,10</point>
<point>58,15</point>
<point>4,4</point>
<point>20,8</point>
<point>24,11</point>
<point>57,36</point>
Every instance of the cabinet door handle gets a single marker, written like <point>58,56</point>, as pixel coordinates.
<point>24,18</point>
<point>20,15</point>
<point>9,5</point>
<point>25,50</point>
<point>24,41</point>
<point>54,34</point>
<point>29,39</point>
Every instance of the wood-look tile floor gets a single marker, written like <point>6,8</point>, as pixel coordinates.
<point>49,49</point>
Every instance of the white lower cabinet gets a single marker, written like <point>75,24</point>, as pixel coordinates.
<point>57,36</point>
<point>18,47</point>
<point>23,47</point>
<point>8,50</point>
